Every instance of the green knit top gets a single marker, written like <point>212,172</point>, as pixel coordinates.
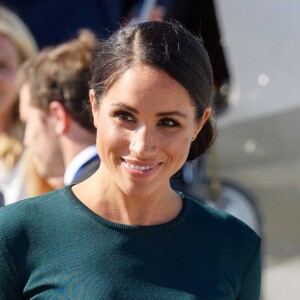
<point>54,247</point>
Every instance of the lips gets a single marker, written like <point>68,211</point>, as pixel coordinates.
<point>138,167</point>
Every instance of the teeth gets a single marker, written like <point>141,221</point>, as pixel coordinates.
<point>141,168</point>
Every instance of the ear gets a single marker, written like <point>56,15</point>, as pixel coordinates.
<point>60,117</point>
<point>205,116</point>
<point>94,105</point>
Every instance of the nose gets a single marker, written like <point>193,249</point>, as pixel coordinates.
<point>143,142</point>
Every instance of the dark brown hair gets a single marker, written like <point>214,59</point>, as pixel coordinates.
<point>167,46</point>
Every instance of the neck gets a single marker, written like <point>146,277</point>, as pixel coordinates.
<point>153,211</point>
<point>74,141</point>
<point>159,207</point>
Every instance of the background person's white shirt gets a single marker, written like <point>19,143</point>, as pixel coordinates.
<point>12,182</point>
<point>77,162</point>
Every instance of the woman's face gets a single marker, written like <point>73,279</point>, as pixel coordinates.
<point>9,63</point>
<point>145,125</point>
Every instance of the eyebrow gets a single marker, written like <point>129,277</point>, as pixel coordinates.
<point>125,106</point>
<point>160,114</point>
<point>171,113</point>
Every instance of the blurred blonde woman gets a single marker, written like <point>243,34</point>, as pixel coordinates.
<point>16,45</point>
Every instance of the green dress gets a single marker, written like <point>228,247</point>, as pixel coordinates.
<point>54,247</point>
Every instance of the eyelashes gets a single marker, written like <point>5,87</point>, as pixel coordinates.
<point>125,116</point>
<point>167,122</point>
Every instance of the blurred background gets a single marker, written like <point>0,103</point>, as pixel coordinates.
<point>259,136</point>
<point>254,52</point>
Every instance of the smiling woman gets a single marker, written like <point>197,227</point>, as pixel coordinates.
<point>124,233</point>
<point>150,122</point>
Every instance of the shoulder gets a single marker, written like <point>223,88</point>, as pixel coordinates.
<point>17,215</point>
<point>222,226</point>
<point>30,220</point>
<point>233,243</point>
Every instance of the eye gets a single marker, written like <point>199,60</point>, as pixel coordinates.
<point>166,122</point>
<point>124,116</point>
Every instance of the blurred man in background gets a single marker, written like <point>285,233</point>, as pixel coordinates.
<point>59,132</point>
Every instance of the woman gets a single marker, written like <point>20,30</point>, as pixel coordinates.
<point>16,45</point>
<point>124,233</point>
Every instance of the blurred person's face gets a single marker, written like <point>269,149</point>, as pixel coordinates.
<point>9,63</point>
<point>40,137</point>
<point>145,124</point>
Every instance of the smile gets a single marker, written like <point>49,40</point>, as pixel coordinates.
<point>140,168</point>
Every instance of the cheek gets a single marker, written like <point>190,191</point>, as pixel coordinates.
<point>7,82</point>
<point>29,134</point>
<point>179,142</point>
<point>7,91</point>
<point>111,140</point>
<point>178,147</point>
<point>36,133</point>
<point>8,76</point>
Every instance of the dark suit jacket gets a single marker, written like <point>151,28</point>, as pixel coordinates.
<point>88,169</point>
